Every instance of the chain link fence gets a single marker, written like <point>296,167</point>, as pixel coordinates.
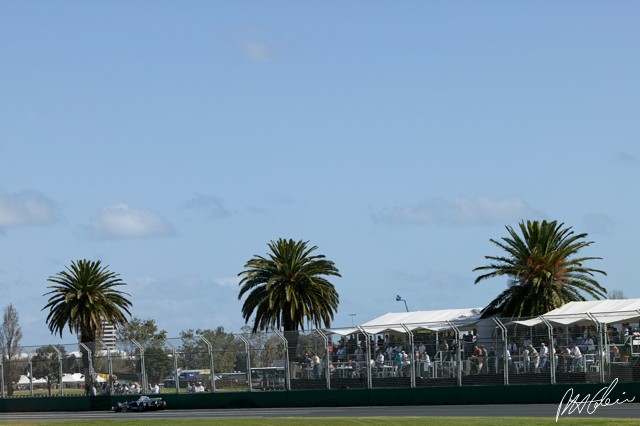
<point>490,352</point>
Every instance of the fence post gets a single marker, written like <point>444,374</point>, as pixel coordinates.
<point>459,354</point>
<point>505,358</point>
<point>247,348</point>
<point>287,371</point>
<point>143,370</point>
<point>211,369</point>
<point>327,359</point>
<point>29,355</point>
<point>60,373</point>
<point>413,360</point>
<point>600,351</point>
<point>368,358</point>
<point>552,349</point>
<point>1,372</point>
<point>90,362</point>
<point>174,353</point>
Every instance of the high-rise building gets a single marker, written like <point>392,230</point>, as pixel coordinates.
<point>108,335</point>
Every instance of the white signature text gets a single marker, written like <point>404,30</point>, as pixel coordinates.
<point>570,404</point>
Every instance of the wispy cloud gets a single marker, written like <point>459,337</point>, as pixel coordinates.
<point>258,51</point>
<point>480,210</point>
<point>211,206</point>
<point>253,44</point>
<point>599,224</point>
<point>227,281</point>
<point>121,221</point>
<point>625,157</point>
<point>27,208</point>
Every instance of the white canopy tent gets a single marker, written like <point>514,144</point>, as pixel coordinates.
<point>424,320</point>
<point>24,380</point>
<point>604,311</point>
<point>72,378</point>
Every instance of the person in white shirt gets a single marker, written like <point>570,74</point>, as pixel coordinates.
<point>544,355</point>
<point>576,355</point>
<point>534,358</point>
<point>155,389</point>
<point>199,387</point>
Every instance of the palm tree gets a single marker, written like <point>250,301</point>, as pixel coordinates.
<point>543,272</point>
<point>288,287</point>
<point>83,297</point>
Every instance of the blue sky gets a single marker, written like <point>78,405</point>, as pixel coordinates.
<point>173,140</point>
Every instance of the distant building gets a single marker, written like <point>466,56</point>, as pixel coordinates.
<point>108,335</point>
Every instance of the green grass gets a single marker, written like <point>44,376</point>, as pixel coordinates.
<point>362,421</point>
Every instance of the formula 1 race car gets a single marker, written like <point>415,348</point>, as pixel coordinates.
<point>144,403</point>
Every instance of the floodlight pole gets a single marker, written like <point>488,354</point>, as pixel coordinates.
<point>400,299</point>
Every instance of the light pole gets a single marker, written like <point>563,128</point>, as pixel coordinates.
<point>352,315</point>
<point>400,299</point>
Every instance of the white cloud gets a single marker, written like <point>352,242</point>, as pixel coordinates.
<point>227,281</point>
<point>121,221</point>
<point>27,208</point>
<point>210,205</point>
<point>258,51</point>
<point>479,210</point>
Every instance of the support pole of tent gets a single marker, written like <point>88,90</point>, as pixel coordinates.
<point>174,353</point>
<point>412,357</point>
<point>59,367</point>
<point>459,354</point>
<point>600,349</point>
<point>505,358</point>
<point>247,349</point>
<point>287,369</point>
<point>552,350</point>
<point>368,357</point>
<point>212,375</point>
<point>327,359</point>
<point>143,369</point>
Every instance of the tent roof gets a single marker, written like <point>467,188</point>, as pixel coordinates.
<point>426,320</point>
<point>604,311</point>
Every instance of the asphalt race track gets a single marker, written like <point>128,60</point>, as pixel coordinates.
<point>627,410</point>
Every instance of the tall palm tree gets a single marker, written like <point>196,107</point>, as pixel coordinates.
<point>288,287</point>
<point>82,298</point>
<point>542,270</point>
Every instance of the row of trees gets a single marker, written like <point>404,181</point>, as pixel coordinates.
<point>289,286</point>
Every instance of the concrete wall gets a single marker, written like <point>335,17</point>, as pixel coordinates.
<point>515,394</point>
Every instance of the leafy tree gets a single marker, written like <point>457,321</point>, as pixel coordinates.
<point>10,337</point>
<point>266,348</point>
<point>287,288</point>
<point>46,364</point>
<point>542,269</point>
<point>616,294</point>
<point>158,363</point>
<point>157,358</point>
<point>145,332</point>
<point>82,297</point>
<point>196,354</point>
